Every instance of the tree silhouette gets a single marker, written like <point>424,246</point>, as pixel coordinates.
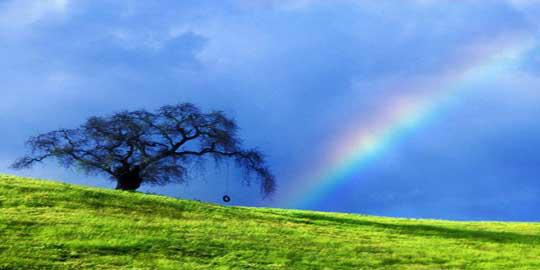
<point>135,147</point>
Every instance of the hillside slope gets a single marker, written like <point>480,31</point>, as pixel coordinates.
<point>46,225</point>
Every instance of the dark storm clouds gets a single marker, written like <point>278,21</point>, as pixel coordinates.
<point>295,74</point>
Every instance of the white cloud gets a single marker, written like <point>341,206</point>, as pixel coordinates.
<point>17,15</point>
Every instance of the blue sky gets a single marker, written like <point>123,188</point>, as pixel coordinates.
<point>296,75</point>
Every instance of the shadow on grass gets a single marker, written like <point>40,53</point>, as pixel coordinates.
<point>426,230</point>
<point>204,250</point>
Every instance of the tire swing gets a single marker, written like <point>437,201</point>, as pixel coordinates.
<point>226,198</point>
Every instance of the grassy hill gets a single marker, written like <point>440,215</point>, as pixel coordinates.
<point>48,225</point>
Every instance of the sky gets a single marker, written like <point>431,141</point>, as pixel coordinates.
<point>418,108</point>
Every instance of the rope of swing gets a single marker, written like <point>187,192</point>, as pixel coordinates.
<point>226,197</point>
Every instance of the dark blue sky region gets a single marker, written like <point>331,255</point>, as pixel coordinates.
<point>297,75</point>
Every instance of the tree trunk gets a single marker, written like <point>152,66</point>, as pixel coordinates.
<point>130,181</point>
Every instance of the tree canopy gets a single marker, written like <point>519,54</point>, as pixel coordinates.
<point>136,147</point>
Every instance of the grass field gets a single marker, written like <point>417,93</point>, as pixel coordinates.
<point>49,225</point>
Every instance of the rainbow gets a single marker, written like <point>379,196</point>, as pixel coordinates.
<point>369,142</point>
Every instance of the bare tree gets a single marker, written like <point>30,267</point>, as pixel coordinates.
<point>135,147</point>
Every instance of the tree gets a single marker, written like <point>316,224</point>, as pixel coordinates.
<point>136,147</point>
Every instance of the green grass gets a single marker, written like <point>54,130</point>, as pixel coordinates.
<point>49,225</point>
